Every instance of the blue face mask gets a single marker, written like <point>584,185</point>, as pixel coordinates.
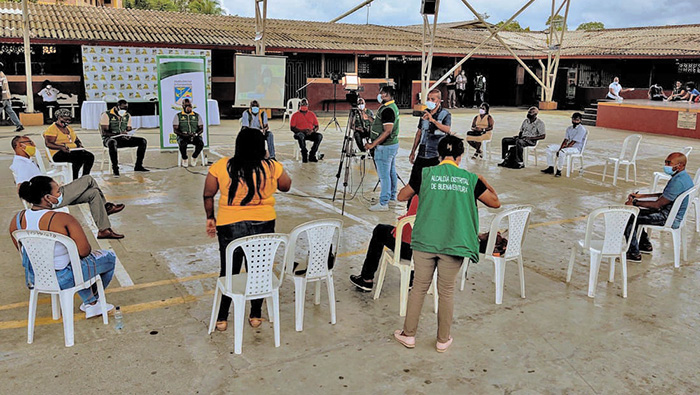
<point>431,105</point>
<point>668,170</point>
<point>254,110</point>
<point>379,98</point>
<point>58,203</point>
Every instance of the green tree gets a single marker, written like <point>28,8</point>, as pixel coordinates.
<point>557,22</point>
<point>591,26</point>
<point>212,7</point>
<point>195,6</point>
<point>513,26</point>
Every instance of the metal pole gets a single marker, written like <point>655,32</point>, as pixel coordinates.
<point>27,57</point>
<point>364,3</point>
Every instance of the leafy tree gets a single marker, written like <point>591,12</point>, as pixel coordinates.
<point>557,22</point>
<point>195,6</point>
<point>591,26</point>
<point>513,26</point>
<point>212,7</point>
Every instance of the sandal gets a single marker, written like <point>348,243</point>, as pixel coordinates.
<point>255,322</point>
<point>221,325</point>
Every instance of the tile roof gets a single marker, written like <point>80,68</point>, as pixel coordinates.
<point>66,24</point>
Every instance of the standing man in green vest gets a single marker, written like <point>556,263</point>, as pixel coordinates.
<point>444,234</point>
<point>384,135</point>
<point>188,126</point>
<point>116,125</point>
<point>254,118</point>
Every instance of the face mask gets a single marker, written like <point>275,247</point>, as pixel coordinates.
<point>254,110</point>
<point>379,98</point>
<point>64,124</point>
<point>48,86</point>
<point>361,106</point>
<point>482,111</point>
<point>575,123</point>
<point>531,117</point>
<point>30,150</point>
<point>188,109</point>
<point>668,170</point>
<point>304,108</point>
<point>121,113</point>
<point>431,105</point>
<point>59,201</point>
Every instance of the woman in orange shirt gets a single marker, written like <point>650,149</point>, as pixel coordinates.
<point>65,146</point>
<point>246,206</point>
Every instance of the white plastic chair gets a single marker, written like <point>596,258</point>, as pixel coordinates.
<point>631,142</point>
<point>258,282</point>
<point>39,246</point>
<point>320,235</point>
<point>518,223</point>
<point>659,176</point>
<point>62,170</point>
<point>405,267</point>
<point>613,245</point>
<point>679,242</point>
<point>201,158</point>
<point>571,157</point>
<point>526,153</point>
<point>292,107</point>
<point>105,155</point>
<point>485,147</point>
<point>696,200</point>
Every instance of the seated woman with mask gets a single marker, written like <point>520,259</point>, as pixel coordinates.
<point>482,125</point>
<point>65,146</point>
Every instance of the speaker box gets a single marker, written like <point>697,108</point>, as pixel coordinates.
<point>427,7</point>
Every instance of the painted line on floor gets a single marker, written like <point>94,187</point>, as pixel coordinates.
<point>333,208</point>
<point>119,271</point>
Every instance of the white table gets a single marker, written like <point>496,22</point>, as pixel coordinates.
<point>214,116</point>
<point>145,121</point>
<point>90,112</point>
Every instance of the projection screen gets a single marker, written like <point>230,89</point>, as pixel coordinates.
<point>260,78</point>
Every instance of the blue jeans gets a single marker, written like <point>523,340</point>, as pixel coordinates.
<point>270,144</point>
<point>7,106</point>
<point>385,160</point>
<point>226,234</point>
<point>98,262</point>
<point>645,217</point>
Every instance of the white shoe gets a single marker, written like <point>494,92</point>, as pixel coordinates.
<point>379,207</point>
<point>193,161</point>
<point>95,309</point>
<point>185,162</point>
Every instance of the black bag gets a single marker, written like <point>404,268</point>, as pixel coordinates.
<point>510,160</point>
<point>498,247</point>
<point>476,133</point>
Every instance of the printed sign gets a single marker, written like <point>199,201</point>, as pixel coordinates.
<point>687,120</point>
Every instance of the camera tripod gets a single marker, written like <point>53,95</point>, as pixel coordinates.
<point>346,154</point>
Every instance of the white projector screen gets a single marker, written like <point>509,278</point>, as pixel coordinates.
<point>260,78</point>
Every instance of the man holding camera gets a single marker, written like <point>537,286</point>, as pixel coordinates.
<point>434,124</point>
<point>384,134</point>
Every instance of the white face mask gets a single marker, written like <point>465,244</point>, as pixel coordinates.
<point>48,87</point>
<point>361,106</point>
<point>121,113</point>
<point>482,111</point>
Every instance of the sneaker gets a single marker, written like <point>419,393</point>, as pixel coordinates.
<point>631,257</point>
<point>193,161</point>
<point>502,164</point>
<point>360,283</point>
<point>140,168</point>
<point>185,162</point>
<point>557,174</point>
<point>379,207</point>
<point>646,248</point>
<point>407,341</point>
<point>19,128</point>
<point>549,170</point>
<point>442,347</point>
<point>115,172</point>
<point>93,310</point>
<point>312,158</point>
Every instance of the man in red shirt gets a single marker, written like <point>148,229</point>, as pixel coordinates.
<point>304,125</point>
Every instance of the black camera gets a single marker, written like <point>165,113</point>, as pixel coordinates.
<point>351,97</point>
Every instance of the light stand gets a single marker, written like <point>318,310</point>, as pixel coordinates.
<point>335,77</point>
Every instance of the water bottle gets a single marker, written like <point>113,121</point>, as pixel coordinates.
<point>118,319</point>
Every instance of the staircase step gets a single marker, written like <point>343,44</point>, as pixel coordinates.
<point>588,122</point>
<point>591,117</point>
<point>590,110</point>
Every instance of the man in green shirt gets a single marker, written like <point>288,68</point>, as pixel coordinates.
<point>444,234</point>
<point>188,126</point>
<point>384,134</point>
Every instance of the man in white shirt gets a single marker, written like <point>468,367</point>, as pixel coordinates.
<point>614,90</point>
<point>82,190</point>
<point>573,143</point>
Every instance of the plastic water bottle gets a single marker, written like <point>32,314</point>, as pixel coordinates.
<point>118,319</point>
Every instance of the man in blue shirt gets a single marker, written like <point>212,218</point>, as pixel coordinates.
<point>655,212</point>
<point>254,118</point>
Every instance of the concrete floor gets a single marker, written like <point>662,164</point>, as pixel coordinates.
<point>557,340</point>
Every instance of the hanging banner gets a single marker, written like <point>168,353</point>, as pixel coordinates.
<point>179,78</point>
<point>128,72</point>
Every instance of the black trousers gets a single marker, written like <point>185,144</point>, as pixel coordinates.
<point>518,145</point>
<point>122,142</point>
<point>226,234</point>
<point>302,138</point>
<point>80,159</point>
<point>381,237</point>
<point>197,141</point>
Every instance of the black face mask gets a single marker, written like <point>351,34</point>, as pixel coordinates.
<point>531,117</point>
<point>575,123</point>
